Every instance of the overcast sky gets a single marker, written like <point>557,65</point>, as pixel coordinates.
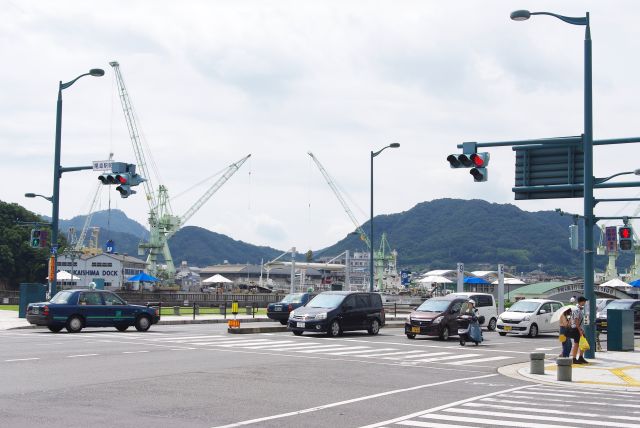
<point>214,81</point>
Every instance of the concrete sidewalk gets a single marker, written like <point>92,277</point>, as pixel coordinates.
<point>609,370</point>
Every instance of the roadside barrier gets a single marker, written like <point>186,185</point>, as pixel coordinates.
<point>537,363</point>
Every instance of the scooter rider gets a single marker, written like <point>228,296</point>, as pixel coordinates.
<point>471,310</point>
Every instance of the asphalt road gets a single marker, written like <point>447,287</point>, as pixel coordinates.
<point>200,376</point>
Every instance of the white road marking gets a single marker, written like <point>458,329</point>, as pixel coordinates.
<point>81,355</point>
<point>422,354</point>
<point>134,352</point>
<point>546,411</point>
<point>353,400</point>
<point>328,348</point>
<point>242,343</point>
<point>363,351</point>
<point>432,424</point>
<point>399,353</point>
<point>496,422</point>
<point>21,359</point>
<point>452,357</point>
<point>284,343</point>
<point>479,360</point>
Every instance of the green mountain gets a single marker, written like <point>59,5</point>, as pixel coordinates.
<point>440,233</point>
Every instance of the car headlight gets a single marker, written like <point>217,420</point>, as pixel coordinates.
<point>291,314</point>
<point>409,318</point>
<point>527,318</point>
<point>438,319</point>
<point>500,318</point>
<point>321,316</point>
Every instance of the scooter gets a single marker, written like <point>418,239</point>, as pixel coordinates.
<point>469,329</point>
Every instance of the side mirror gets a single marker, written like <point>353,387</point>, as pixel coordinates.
<point>542,311</point>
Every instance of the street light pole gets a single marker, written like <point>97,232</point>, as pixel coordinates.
<point>587,141</point>
<point>371,260</point>
<point>57,174</point>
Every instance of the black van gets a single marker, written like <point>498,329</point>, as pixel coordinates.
<point>435,317</point>
<point>333,312</point>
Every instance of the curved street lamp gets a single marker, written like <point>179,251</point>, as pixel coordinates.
<point>371,263</point>
<point>57,173</point>
<point>587,138</point>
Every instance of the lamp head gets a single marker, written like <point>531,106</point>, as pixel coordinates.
<point>394,145</point>
<point>96,72</point>
<point>29,195</point>
<point>520,15</point>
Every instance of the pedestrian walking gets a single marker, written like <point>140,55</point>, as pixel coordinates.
<point>576,330</point>
<point>565,339</point>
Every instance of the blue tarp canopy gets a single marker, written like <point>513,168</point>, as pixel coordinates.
<point>635,283</point>
<point>143,277</point>
<point>474,280</point>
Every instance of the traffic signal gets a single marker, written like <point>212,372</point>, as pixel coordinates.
<point>476,161</point>
<point>625,238</point>
<point>124,175</point>
<point>35,238</point>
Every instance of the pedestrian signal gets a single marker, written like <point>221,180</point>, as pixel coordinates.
<point>625,238</point>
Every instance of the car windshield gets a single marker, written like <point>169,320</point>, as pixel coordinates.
<point>329,301</point>
<point>619,305</point>
<point>601,304</point>
<point>61,297</point>
<point>292,298</point>
<point>434,306</point>
<point>523,306</point>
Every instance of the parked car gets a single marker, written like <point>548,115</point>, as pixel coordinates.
<point>76,309</point>
<point>602,303</point>
<point>435,317</point>
<point>335,312</point>
<point>486,306</point>
<point>529,317</point>
<point>632,304</point>
<point>280,311</point>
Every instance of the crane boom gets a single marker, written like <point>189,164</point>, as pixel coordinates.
<point>129,116</point>
<point>231,169</point>
<point>336,192</point>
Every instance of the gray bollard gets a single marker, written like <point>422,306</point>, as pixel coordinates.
<point>537,362</point>
<point>176,310</point>
<point>564,368</point>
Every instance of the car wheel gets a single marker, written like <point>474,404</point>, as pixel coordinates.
<point>74,324</point>
<point>492,324</point>
<point>143,323</point>
<point>374,328</point>
<point>444,334</point>
<point>122,327</point>
<point>297,332</point>
<point>533,330</point>
<point>55,328</point>
<point>283,322</point>
<point>411,336</point>
<point>334,329</point>
<point>462,342</point>
<point>502,333</point>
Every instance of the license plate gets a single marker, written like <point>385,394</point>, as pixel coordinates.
<point>603,323</point>
<point>507,328</point>
<point>300,324</point>
<point>277,308</point>
<point>35,310</point>
<point>415,329</point>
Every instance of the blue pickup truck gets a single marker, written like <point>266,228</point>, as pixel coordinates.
<point>76,309</point>
<point>279,311</point>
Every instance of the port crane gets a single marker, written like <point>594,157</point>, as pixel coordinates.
<point>385,265</point>
<point>163,224</point>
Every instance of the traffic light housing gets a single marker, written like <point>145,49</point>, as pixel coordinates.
<point>39,238</point>
<point>625,238</point>
<point>573,236</point>
<point>476,161</point>
<point>124,175</point>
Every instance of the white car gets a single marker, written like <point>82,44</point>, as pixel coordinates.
<point>529,317</point>
<point>486,305</point>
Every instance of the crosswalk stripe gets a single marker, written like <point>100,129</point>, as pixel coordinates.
<point>564,395</point>
<point>554,402</point>
<point>328,348</point>
<point>362,351</point>
<point>582,421</point>
<point>621,394</point>
<point>183,337</point>
<point>475,420</point>
<point>243,344</point>
<point>446,357</point>
<point>431,424</point>
<point>422,354</point>
<point>479,360</point>
<point>532,410</point>
<point>284,343</point>
<point>220,341</point>
<point>400,353</point>
<point>301,347</point>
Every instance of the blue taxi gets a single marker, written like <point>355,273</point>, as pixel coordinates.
<point>76,309</point>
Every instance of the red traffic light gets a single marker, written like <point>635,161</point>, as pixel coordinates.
<point>625,232</point>
<point>122,179</point>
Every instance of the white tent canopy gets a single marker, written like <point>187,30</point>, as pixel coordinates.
<point>510,281</point>
<point>217,279</point>
<point>615,282</point>
<point>434,279</point>
<point>63,275</point>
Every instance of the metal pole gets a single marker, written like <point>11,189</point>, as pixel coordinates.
<point>347,263</point>
<point>371,231</point>
<point>55,199</point>
<point>293,269</point>
<point>588,192</point>
<point>460,285</point>
<point>500,289</point>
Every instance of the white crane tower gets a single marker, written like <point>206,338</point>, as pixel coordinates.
<point>162,222</point>
<point>386,276</point>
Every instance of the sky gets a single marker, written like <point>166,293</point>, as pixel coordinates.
<point>214,81</point>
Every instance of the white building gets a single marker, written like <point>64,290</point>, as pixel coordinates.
<point>110,269</point>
